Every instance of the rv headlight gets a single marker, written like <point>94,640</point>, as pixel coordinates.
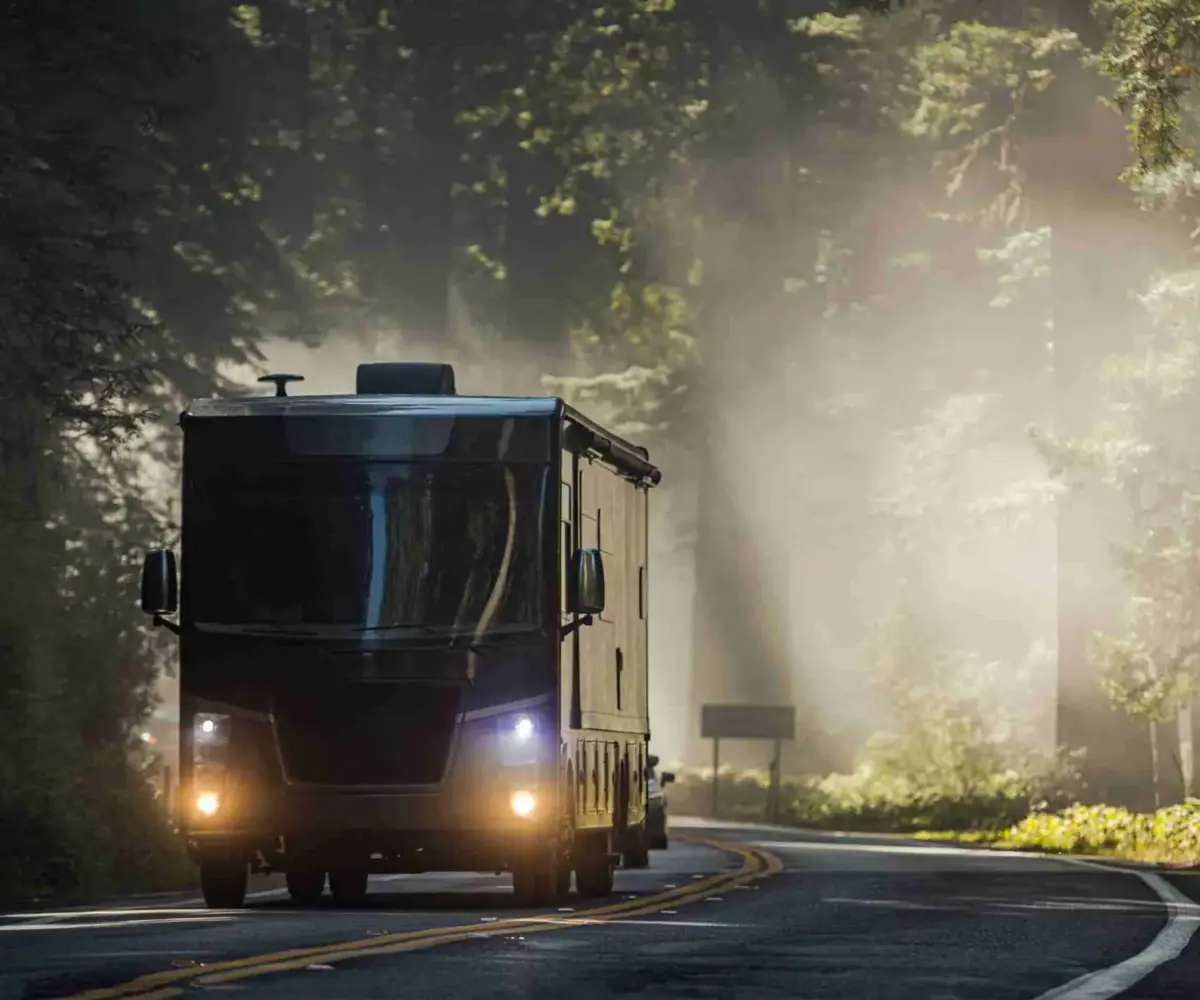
<point>520,738</point>
<point>210,738</point>
<point>211,728</point>
<point>207,803</point>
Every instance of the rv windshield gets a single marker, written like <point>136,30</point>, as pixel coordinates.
<point>447,547</point>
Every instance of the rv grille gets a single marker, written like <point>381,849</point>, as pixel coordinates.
<point>362,733</point>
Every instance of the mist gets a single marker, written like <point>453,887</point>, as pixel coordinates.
<point>817,516</point>
<point>858,449</point>
<point>865,447</point>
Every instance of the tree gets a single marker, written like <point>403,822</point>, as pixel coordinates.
<point>71,327</point>
<point>82,85</point>
<point>1143,452</point>
<point>1152,51</point>
<point>1132,445</point>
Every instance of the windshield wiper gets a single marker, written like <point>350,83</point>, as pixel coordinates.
<point>446,632</point>
<point>256,628</point>
<point>418,626</point>
<point>499,632</point>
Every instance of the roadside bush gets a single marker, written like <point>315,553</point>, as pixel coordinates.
<point>66,840</point>
<point>1169,836</point>
<point>78,818</point>
<point>868,801</point>
<point>955,756</point>
<point>1013,814</point>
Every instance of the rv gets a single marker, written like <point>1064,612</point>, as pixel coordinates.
<point>412,633</point>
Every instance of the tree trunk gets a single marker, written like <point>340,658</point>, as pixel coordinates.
<point>19,449</point>
<point>1187,753</point>
<point>1102,249</point>
<point>1155,772</point>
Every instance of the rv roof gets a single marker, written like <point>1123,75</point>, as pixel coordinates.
<point>381,405</point>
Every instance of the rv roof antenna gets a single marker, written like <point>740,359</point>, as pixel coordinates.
<point>281,382</point>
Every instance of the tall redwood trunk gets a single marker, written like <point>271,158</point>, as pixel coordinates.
<point>1102,250</point>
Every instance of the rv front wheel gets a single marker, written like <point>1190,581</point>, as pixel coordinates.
<point>305,887</point>
<point>348,885</point>
<point>223,884</point>
<point>541,883</point>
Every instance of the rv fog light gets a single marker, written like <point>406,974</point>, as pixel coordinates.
<point>524,728</point>
<point>523,803</point>
<point>207,803</point>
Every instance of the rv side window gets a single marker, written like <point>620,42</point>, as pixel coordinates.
<point>565,567</point>
<point>564,561</point>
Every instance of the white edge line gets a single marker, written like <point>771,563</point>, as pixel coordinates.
<point>140,922</point>
<point>1168,944</point>
<point>131,909</point>
<point>635,921</point>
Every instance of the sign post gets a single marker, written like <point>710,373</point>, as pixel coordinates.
<point>776,781</point>
<point>716,768</point>
<point>749,722</point>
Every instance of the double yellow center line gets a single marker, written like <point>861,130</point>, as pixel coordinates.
<point>756,864</point>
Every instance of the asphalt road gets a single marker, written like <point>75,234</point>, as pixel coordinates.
<point>773,913</point>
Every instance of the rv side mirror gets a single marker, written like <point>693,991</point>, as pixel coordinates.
<point>160,583</point>
<point>589,582</point>
<point>667,777</point>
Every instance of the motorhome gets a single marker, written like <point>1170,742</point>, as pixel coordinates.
<point>412,632</point>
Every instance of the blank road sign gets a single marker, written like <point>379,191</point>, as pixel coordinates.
<point>747,722</point>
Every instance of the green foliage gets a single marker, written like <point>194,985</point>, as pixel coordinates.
<point>979,90</point>
<point>76,669</point>
<point>871,801</point>
<point>76,813</point>
<point>959,753</point>
<point>65,309</point>
<point>1152,52</point>
<point>958,75</point>
<point>1169,836</point>
<point>1142,451</point>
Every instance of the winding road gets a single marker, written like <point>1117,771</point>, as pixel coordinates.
<point>729,911</point>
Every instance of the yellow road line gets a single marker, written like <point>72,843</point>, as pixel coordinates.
<point>753,868</point>
<point>755,864</point>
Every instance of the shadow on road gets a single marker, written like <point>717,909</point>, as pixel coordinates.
<point>491,900</point>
